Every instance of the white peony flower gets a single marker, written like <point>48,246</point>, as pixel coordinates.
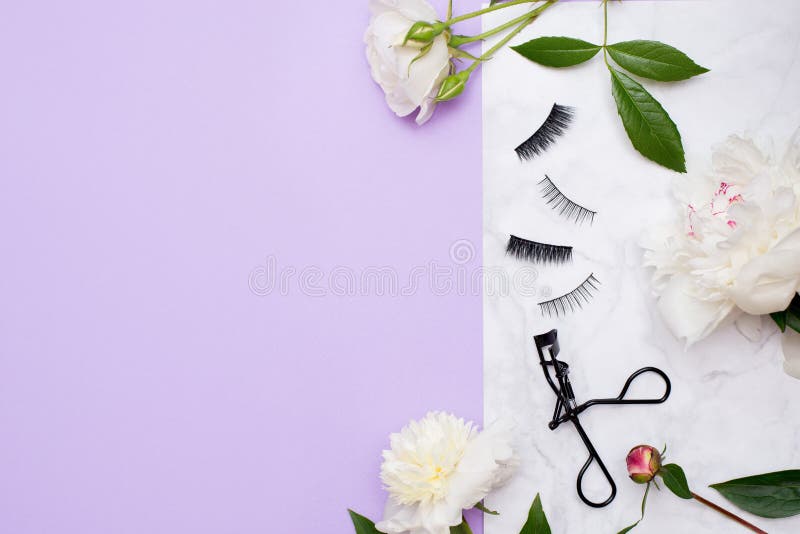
<point>436,468</point>
<point>407,85</point>
<point>735,248</point>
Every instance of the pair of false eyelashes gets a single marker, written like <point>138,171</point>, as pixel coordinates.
<point>554,127</point>
<point>545,253</point>
<point>551,129</point>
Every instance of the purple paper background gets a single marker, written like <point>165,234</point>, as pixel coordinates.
<point>152,155</point>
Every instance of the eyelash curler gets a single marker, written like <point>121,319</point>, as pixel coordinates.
<point>568,410</point>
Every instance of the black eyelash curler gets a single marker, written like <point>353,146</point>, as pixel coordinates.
<point>568,410</point>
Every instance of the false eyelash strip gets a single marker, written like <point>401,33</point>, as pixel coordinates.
<point>524,249</point>
<point>572,301</point>
<point>565,207</point>
<point>553,127</point>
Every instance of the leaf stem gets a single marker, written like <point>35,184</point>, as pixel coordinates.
<point>478,13</point>
<point>730,515</point>
<point>513,33</point>
<point>458,40</point>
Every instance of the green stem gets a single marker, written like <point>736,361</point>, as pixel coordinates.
<point>459,40</point>
<point>454,20</point>
<point>449,9</point>
<point>502,42</point>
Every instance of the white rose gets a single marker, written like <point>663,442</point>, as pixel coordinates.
<point>436,468</point>
<point>734,250</point>
<point>407,85</point>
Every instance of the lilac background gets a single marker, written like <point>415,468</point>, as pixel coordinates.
<point>152,154</point>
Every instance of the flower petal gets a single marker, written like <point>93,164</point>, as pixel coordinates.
<point>425,74</point>
<point>767,283</point>
<point>738,160</point>
<point>487,463</point>
<point>687,316</point>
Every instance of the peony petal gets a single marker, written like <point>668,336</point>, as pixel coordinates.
<point>487,463</point>
<point>688,317</point>
<point>767,283</point>
<point>790,345</point>
<point>738,160</point>
<point>397,518</point>
<point>427,518</point>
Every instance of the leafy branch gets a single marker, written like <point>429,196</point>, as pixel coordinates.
<point>648,125</point>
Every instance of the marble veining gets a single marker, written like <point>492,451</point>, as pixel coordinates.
<point>732,412</point>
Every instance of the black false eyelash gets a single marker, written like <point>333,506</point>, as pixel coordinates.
<point>538,252</point>
<point>554,126</point>
<point>565,207</point>
<point>572,301</point>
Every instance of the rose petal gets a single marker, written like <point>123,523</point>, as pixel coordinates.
<point>426,72</point>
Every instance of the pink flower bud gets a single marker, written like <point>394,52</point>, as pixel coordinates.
<point>644,462</point>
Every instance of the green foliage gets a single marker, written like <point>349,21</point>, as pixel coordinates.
<point>557,51</point>
<point>480,506</point>
<point>362,524</point>
<point>654,60</point>
<point>647,124</point>
<point>644,502</point>
<point>789,317</point>
<point>769,495</point>
<point>462,528</point>
<point>675,479</point>
<point>537,521</point>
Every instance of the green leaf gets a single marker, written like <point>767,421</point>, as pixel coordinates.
<point>480,506</point>
<point>644,501</point>
<point>557,51</point>
<point>675,480</point>
<point>793,314</point>
<point>793,320</point>
<point>654,60</point>
<point>768,495</point>
<point>790,316</point>
<point>780,319</point>
<point>648,126</point>
<point>463,528</point>
<point>362,524</point>
<point>537,521</point>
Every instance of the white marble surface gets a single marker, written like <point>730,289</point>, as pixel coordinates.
<point>733,412</point>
